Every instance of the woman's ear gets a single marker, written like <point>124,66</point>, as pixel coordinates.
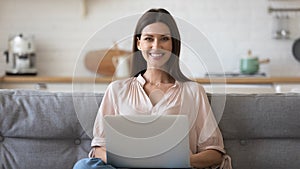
<point>138,43</point>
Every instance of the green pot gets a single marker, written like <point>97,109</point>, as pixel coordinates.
<point>249,65</point>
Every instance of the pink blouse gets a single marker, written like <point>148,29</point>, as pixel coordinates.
<point>125,97</point>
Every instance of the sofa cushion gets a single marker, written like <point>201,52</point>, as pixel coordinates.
<point>257,116</point>
<point>260,130</point>
<point>41,129</point>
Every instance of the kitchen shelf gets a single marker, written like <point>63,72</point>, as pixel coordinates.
<point>285,6</point>
<point>270,9</point>
<point>229,80</point>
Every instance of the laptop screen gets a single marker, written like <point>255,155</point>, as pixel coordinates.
<point>146,141</point>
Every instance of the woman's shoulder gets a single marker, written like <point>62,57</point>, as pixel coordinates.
<point>193,93</point>
<point>121,83</point>
<point>193,89</point>
<point>193,85</point>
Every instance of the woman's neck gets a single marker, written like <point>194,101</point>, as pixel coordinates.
<point>155,76</point>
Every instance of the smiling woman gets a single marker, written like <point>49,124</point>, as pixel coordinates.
<point>158,87</point>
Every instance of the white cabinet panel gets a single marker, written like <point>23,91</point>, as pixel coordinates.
<point>57,87</point>
<point>287,88</point>
<point>211,88</point>
<point>239,88</point>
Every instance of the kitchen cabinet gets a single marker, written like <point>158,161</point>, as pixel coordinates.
<point>89,87</point>
<point>63,84</point>
<point>99,84</point>
<point>287,88</point>
<point>239,88</point>
<point>57,87</point>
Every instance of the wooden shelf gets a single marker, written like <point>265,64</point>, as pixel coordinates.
<point>229,80</point>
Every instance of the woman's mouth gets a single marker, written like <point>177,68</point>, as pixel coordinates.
<point>156,56</point>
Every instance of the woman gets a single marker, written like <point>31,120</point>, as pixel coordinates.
<point>159,87</point>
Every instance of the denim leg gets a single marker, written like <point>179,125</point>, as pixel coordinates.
<point>91,163</point>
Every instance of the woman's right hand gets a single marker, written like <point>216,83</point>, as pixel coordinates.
<point>100,152</point>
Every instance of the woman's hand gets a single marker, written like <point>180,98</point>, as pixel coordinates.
<point>100,152</point>
<point>206,158</point>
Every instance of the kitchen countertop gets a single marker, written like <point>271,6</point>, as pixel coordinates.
<point>204,80</point>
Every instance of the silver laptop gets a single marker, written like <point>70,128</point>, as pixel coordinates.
<point>146,141</point>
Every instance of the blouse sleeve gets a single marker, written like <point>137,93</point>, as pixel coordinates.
<point>209,135</point>
<point>107,107</point>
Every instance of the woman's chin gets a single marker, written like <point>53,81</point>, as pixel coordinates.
<point>157,62</point>
<point>156,67</point>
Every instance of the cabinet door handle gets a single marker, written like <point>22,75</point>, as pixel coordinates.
<point>41,86</point>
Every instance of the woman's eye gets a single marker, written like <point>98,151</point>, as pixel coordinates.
<point>165,38</point>
<point>148,39</point>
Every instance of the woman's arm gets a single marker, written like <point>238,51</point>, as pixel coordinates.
<point>210,147</point>
<point>206,158</point>
<point>107,107</point>
<point>100,152</point>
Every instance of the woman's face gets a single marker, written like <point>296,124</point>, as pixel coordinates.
<point>155,44</point>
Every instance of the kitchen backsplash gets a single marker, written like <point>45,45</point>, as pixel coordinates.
<point>62,34</point>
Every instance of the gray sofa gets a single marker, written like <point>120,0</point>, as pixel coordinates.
<point>52,130</point>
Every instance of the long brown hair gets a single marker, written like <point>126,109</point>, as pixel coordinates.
<point>139,64</point>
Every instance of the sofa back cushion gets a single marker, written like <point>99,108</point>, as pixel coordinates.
<point>41,129</point>
<point>260,130</point>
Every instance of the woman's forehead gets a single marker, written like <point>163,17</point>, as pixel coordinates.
<point>156,28</point>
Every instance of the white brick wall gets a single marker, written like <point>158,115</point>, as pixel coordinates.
<point>231,26</point>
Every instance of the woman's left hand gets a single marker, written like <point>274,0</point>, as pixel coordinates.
<point>206,158</point>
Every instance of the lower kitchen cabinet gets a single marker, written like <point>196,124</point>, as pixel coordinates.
<point>57,87</point>
<point>239,88</point>
<point>287,88</point>
<point>234,85</point>
<point>101,87</point>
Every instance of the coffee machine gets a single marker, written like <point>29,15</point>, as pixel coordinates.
<point>20,56</point>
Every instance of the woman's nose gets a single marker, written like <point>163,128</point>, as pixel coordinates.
<point>156,44</point>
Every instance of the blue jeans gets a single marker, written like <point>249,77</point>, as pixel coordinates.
<point>92,163</point>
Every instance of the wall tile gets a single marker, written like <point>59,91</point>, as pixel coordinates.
<point>232,27</point>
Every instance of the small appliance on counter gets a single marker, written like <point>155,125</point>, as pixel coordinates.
<point>20,56</point>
